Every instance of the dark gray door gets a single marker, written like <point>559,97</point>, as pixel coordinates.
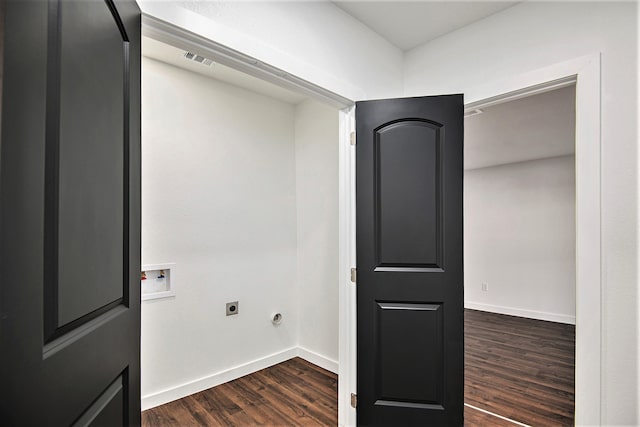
<point>70,214</point>
<point>409,257</point>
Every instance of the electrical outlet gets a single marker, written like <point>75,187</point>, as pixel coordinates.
<point>485,287</point>
<point>232,308</point>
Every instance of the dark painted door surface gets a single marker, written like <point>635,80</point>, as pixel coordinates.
<point>70,214</point>
<point>409,258</point>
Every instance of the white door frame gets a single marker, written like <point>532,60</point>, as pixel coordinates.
<point>584,72</point>
<point>347,259</point>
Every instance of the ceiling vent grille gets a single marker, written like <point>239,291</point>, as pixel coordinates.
<point>198,58</point>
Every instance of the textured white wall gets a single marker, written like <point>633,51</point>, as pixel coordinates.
<point>533,35</point>
<point>316,135</point>
<point>219,200</point>
<point>315,41</point>
<point>519,239</point>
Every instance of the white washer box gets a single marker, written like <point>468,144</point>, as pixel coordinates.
<point>158,281</point>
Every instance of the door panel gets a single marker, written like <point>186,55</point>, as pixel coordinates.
<point>409,258</point>
<point>90,150</point>
<point>407,154</point>
<point>86,154</point>
<point>70,229</point>
<point>413,375</point>
<point>107,409</point>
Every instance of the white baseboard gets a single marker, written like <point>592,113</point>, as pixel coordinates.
<point>531,314</point>
<point>186,389</point>
<point>318,359</point>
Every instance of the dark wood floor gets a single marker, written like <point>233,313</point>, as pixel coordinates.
<point>518,368</point>
<point>292,393</point>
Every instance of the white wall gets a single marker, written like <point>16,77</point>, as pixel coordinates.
<point>241,192</point>
<point>533,35</point>
<point>519,239</point>
<point>219,200</point>
<point>316,134</point>
<point>315,41</point>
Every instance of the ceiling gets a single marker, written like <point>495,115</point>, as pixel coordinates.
<point>537,127</point>
<point>172,55</point>
<point>408,24</point>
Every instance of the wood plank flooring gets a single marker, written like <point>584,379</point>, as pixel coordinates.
<point>476,418</point>
<point>292,393</point>
<point>521,369</point>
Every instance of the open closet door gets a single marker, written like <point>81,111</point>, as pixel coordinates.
<point>410,358</point>
<point>70,214</point>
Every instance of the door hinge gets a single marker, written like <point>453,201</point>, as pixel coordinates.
<point>353,138</point>
<point>354,400</point>
<point>354,274</point>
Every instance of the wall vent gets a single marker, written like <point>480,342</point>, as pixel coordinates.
<point>471,113</point>
<point>198,58</point>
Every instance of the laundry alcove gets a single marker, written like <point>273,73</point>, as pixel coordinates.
<point>240,191</point>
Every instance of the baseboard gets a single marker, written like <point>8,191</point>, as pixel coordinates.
<point>318,359</point>
<point>531,314</point>
<point>186,389</point>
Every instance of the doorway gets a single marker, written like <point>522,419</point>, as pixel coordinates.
<point>585,73</point>
<point>520,231</point>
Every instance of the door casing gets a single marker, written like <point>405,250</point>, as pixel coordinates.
<point>585,71</point>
